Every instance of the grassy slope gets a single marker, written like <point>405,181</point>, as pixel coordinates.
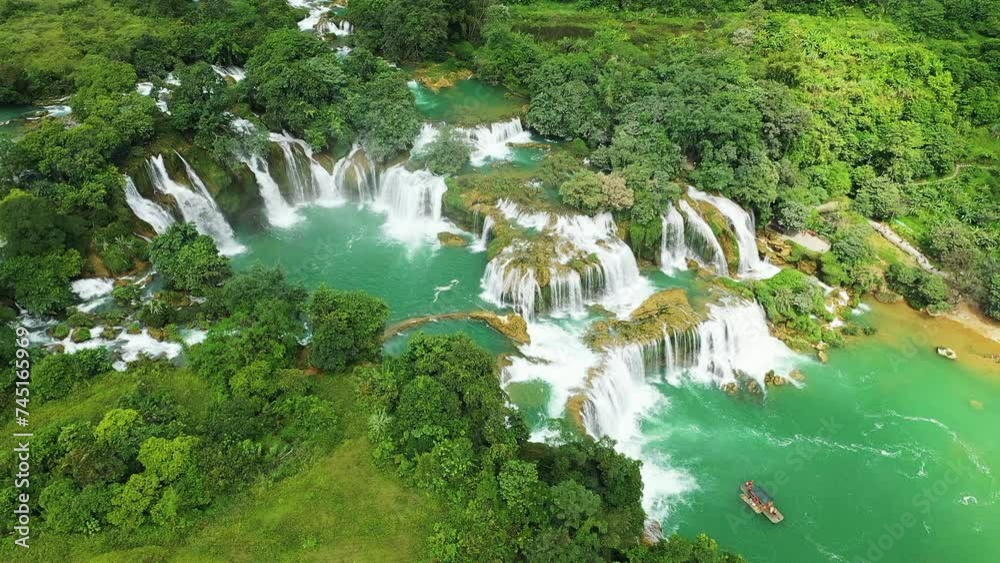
<point>338,507</point>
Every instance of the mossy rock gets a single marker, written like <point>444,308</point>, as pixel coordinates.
<point>81,319</point>
<point>452,239</point>
<point>81,335</point>
<point>443,75</point>
<point>512,325</point>
<point>723,232</point>
<point>134,328</point>
<point>670,309</point>
<point>60,331</point>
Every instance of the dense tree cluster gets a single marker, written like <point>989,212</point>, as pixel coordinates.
<point>161,452</point>
<point>772,114</point>
<point>303,86</point>
<point>440,418</point>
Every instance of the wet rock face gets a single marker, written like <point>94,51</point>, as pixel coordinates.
<point>452,239</point>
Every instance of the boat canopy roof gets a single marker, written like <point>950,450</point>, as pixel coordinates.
<point>763,495</point>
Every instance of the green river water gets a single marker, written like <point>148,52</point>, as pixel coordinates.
<point>887,453</point>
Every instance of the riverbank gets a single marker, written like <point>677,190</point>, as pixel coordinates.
<point>969,335</point>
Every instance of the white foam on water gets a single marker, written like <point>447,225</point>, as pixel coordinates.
<point>91,288</point>
<point>557,356</point>
<point>134,346</point>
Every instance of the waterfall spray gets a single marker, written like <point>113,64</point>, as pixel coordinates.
<point>196,207</point>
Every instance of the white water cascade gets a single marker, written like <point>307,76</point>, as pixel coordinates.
<point>613,280</point>
<point>489,143</point>
<point>233,72</point>
<point>492,142</point>
<point>484,236</point>
<point>357,173</point>
<point>733,341</point>
<point>708,249</point>
<point>150,212</point>
<point>342,28</point>
<point>317,20</point>
<point>312,183</point>
<point>743,226</point>
<point>616,278</point>
<point>506,284</point>
<point>673,250</point>
<point>279,213</point>
<point>412,201</point>
<point>196,206</point>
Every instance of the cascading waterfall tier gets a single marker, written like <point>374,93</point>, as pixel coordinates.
<point>146,210</point>
<point>701,242</point>
<point>673,249</point>
<point>733,342</point>
<point>686,235</point>
<point>485,235</point>
<point>588,264</point>
<point>743,226</point>
<point>356,174</point>
<point>278,211</point>
<point>490,143</point>
<point>196,206</point>
<point>311,183</point>
<point>234,73</point>
<point>412,202</point>
<point>318,19</point>
<point>493,142</point>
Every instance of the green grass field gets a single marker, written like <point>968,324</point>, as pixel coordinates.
<point>337,507</point>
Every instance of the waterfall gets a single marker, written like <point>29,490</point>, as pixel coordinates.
<point>620,395</point>
<point>342,28</point>
<point>356,172</point>
<point>612,279</point>
<point>708,249</point>
<point>530,220</point>
<point>735,339</point>
<point>506,284</point>
<point>412,201</point>
<point>743,226</point>
<point>489,142</point>
<point>621,287</point>
<point>234,72</point>
<point>313,184</point>
<point>316,21</point>
<point>279,212</point>
<point>148,211</point>
<point>196,207</point>
<point>428,132</point>
<point>484,236</point>
<point>673,250</point>
<point>492,142</point>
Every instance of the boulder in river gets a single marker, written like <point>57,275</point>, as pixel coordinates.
<point>452,239</point>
